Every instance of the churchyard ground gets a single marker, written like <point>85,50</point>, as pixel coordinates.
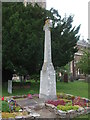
<point>77,88</point>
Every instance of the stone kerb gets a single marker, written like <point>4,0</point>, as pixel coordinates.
<point>69,113</point>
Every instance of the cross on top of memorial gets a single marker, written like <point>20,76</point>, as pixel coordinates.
<point>48,24</point>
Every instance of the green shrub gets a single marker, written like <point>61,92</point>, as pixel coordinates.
<point>35,77</point>
<point>69,103</point>
<point>17,108</point>
<point>5,106</point>
<point>66,108</point>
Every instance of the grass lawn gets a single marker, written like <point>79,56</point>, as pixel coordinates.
<point>77,88</point>
<point>34,88</point>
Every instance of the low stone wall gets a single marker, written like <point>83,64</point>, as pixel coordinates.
<point>69,113</point>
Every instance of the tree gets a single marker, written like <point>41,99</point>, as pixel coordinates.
<point>84,63</point>
<point>64,40</point>
<point>23,38</point>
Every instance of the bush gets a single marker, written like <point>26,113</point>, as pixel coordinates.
<point>5,106</point>
<point>35,77</point>
<point>17,109</point>
<point>66,108</point>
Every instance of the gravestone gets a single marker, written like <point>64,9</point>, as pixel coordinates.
<point>47,74</point>
<point>10,86</point>
<point>65,77</point>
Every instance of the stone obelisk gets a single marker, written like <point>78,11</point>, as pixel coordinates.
<point>47,74</point>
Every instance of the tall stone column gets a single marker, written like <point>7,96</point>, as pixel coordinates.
<point>47,74</point>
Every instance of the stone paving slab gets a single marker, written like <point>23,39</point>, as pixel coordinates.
<point>46,113</point>
<point>37,106</point>
<point>26,102</point>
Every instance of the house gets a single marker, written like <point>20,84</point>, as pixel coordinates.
<point>76,72</point>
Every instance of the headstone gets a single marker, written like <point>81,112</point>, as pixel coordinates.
<point>47,75</point>
<point>87,78</point>
<point>10,86</point>
<point>65,77</point>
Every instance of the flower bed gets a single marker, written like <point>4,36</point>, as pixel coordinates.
<point>69,106</point>
<point>10,109</point>
<point>66,106</point>
<point>13,115</point>
<point>26,96</point>
<point>9,105</point>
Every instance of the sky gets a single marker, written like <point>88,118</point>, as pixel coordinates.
<point>78,8</point>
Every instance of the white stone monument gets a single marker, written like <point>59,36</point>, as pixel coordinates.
<point>10,86</point>
<point>47,75</point>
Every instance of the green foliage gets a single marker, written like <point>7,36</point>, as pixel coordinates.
<point>66,108</point>
<point>17,108</point>
<point>69,104</point>
<point>63,69</point>
<point>5,106</point>
<point>23,38</point>
<point>35,77</point>
<point>84,63</point>
<point>64,39</point>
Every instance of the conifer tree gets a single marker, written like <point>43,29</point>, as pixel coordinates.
<point>23,38</point>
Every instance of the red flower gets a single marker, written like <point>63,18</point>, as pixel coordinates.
<point>3,98</point>
<point>57,102</point>
<point>30,96</point>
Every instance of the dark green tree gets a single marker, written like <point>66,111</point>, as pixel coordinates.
<point>64,40</point>
<point>23,38</point>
